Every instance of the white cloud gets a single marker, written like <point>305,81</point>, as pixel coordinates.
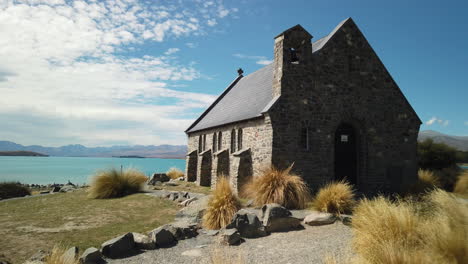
<point>191,45</point>
<point>439,121</point>
<point>212,22</point>
<point>61,81</point>
<point>261,60</point>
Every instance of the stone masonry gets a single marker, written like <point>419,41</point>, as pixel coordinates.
<point>336,113</point>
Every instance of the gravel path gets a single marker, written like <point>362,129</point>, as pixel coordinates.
<point>310,245</point>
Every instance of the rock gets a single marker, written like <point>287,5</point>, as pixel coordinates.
<point>55,189</point>
<point>158,177</point>
<point>118,247</point>
<point>182,230</point>
<point>70,255</point>
<point>171,184</point>
<point>67,188</point>
<point>39,256</point>
<point>143,241</point>
<point>44,192</point>
<point>230,236</point>
<point>276,218</point>
<point>194,212</point>
<point>162,237</point>
<point>248,224</point>
<point>91,256</point>
<point>173,196</point>
<point>180,179</point>
<point>70,183</point>
<point>318,218</point>
<point>249,203</point>
<point>188,201</point>
<point>211,232</point>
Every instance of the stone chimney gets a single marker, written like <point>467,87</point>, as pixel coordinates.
<point>292,57</point>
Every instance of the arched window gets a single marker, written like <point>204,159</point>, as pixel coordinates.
<point>204,142</point>
<point>233,141</point>
<point>215,145</point>
<point>220,141</point>
<point>304,141</point>
<point>239,139</point>
<point>200,144</point>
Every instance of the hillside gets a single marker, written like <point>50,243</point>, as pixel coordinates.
<point>151,151</point>
<point>458,142</point>
<point>21,153</point>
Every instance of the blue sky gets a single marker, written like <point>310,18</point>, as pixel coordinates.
<point>103,73</point>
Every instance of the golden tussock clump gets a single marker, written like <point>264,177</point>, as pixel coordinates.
<point>222,206</point>
<point>174,173</point>
<point>113,183</point>
<point>429,177</point>
<point>278,186</point>
<point>432,231</point>
<point>57,257</point>
<point>335,198</point>
<point>461,186</point>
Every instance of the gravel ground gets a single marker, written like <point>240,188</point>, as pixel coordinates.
<point>310,245</point>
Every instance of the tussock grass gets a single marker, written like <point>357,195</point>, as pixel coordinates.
<point>57,257</point>
<point>222,206</point>
<point>278,186</point>
<point>432,231</point>
<point>335,198</point>
<point>429,178</point>
<point>461,186</point>
<point>174,173</point>
<point>13,189</point>
<point>113,183</point>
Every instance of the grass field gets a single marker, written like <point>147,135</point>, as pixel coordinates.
<point>72,219</point>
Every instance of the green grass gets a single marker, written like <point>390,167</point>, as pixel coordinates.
<point>72,219</point>
<point>185,186</point>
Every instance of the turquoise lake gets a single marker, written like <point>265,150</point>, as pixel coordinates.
<point>45,170</point>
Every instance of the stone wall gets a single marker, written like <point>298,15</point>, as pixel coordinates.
<point>344,82</point>
<point>256,144</point>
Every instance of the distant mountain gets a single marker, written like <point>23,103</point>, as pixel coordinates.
<point>21,153</point>
<point>151,151</point>
<point>458,142</point>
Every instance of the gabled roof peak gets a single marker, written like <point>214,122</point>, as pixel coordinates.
<point>297,27</point>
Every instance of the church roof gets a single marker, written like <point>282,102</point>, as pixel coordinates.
<point>247,97</point>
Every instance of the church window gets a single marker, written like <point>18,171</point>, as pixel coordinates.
<point>304,142</point>
<point>220,140</point>
<point>214,142</point>
<point>239,139</point>
<point>233,141</point>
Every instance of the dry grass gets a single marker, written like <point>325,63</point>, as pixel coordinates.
<point>335,198</point>
<point>57,257</point>
<point>222,206</point>
<point>223,256</point>
<point>432,231</point>
<point>429,178</point>
<point>174,173</point>
<point>113,183</point>
<point>461,186</point>
<point>278,186</point>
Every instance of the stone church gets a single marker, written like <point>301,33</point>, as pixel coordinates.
<point>328,106</point>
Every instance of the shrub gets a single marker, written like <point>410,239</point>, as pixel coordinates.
<point>113,183</point>
<point>278,186</point>
<point>433,231</point>
<point>462,184</point>
<point>222,206</point>
<point>174,173</point>
<point>428,177</point>
<point>335,198</point>
<point>57,257</point>
<point>448,177</point>
<point>435,156</point>
<point>13,189</point>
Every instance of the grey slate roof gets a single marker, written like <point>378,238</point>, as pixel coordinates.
<point>247,97</point>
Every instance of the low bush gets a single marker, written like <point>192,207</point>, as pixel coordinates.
<point>462,184</point>
<point>57,257</point>
<point>448,177</point>
<point>335,198</point>
<point>222,206</point>
<point>278,186</point>
<point>174,173</point>
<point>432,231</point>
<point>436,156</point>
<point>114,183</point>
<point>12,190</point>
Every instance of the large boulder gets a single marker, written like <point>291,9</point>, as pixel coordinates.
<point>118,247</point>
<point>276,218</point>
<point>318,218</point>
<point>162,237</point>
<point>143,241</point>
<point>91,256</point>
<point>230,236</point>
<point>182,230</point>
<point>158,177</point>
<point>248,224</point>
<point>194,212</point>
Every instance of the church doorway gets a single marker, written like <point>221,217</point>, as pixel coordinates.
<point>346,153</point>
